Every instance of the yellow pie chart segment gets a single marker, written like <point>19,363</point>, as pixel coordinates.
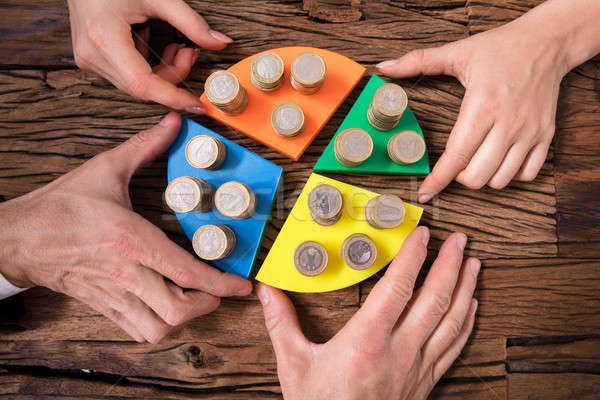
<point>278,268</point>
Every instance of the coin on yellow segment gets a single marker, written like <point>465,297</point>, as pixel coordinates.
<point>310,258</point>
<point>288,120</point>
<point>206,152</point>
<point>235,200</point>
<point>406,147</point>
<point>385,211</point>
<point>186,193</point>
<point>326,204</point>
<point>213,242</point>
<point>353,146</point>
<point>359,251</point>
<point>224,91</point>
<point>308,72</point>
<point>387,107</point>
<point>267,71</point>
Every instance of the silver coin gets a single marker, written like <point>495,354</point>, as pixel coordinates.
<point>408,146</point>
<point>222,87</point>
<point>324,201</point>
<point>359,252</point>
<point>231,198</point>
<point>182,194</point>
<point>288,118</point>
<point>389,210</point>
<point>310,258</point>
<point>356,145</point>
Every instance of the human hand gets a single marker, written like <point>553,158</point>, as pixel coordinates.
<point>397,346</point>
<point>79,236</point>
<point>506,122</point>
<point>102,43</point>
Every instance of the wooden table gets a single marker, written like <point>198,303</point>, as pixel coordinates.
<point>538,329</point>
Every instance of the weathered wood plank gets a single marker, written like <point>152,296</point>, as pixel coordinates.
<point>487,14</point>
<point>553,386</point>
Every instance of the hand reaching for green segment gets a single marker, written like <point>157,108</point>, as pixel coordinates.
<point>512,76</point>
<point>102,43</point>
<point>397,346</point>
<point>79,236</point>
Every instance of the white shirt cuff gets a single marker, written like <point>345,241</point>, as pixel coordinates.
<point>7,289</point>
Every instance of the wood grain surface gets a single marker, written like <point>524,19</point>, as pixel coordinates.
<point>538,329</point>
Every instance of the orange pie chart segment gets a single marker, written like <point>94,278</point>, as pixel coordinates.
<point>342,76</point>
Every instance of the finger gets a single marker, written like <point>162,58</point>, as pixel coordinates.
<point>141,39</point>
<point>471,127</point>
<point>169,53</point>
<point>168,259</point>
<point>188,22</point>
<point>281,322</point>
<point>143,318</point>
<point>432,61</point>
<point>434,298</point>
<point>510,166</point>
<point>144,146</point>
<point>486,160</point>
<point>179,67</point>
<point>387,300</point>
<point>533,162</point>
<point>451,325</point>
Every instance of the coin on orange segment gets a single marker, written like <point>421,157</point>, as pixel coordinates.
<point>359,251</point>
<point>235,200</point>
<point>186,193</point>
<point>308,72</point>
<point>385,211</point>
<point>288,120</point>
<point>267,71</point>
<point>225,92</point>
<point>206,152</point>
<point>310,258</point>
<point>325,203</point>
<point>353,146</point>
<point>213,242</point>
<point>406,147</point>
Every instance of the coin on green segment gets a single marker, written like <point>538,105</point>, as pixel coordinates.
<point>406,147</point>
<point>353,146</point>
<point>310,258</point>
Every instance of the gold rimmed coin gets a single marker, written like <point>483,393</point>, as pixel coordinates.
<point>310,258</point>
<point>387,107</point>
<point>214,242</point>
<point>224,91</point>
<point>206,152</point>
<point>326,204</point>
<point>385,211</point>
<point>359,251</point>
<point>267,71</point>
<point>186,193</point>
<point>287,120</point>
<point>406,147</point>
<point>308,72</point>
<point>235,200</point>
<point>353,146</point>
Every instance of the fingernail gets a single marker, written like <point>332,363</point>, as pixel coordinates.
<point>474,306</point>
<point>221,37</point>
<point>386,64</point>
<point>461,241</point>
<point>424,198</point>
<point>245,291</point>
<point>195,110</point>
<point>475,267</point>
<point>168,119</point>
<point>425,236</point>
<point>263,294</point>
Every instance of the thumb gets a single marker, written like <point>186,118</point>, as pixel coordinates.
<point>145,146</point>
<point>433,61</point>
<point>281,322</point>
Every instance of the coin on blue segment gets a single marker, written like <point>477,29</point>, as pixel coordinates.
<point>353,146</point>
<point>406,147</point>
<point>206,152</point>
<point>267,72</point>
<point>310,258</point>
<point>385,211</point>
<point>224,91</point>
<point>187,193</point>
<point>308,72</point>
<point>359,251</point>
<point>387,107</point>
<point>213,242</point>
<point>326,204</point>
<point>287,120</point>
<point>235,200</point>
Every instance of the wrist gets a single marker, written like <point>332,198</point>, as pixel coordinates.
<point>10,245</point>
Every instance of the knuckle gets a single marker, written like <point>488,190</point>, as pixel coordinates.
<point>472,181</point>
<point>122,240</point>
<point>497,183</point>
<point>175,316</point>
<point>454,328</point>
<point>400,288</point>
<point>458,157</point>
<point>439,303</point>
<point>138,86</point>
<point>183,278</point>
<point>83,54</point>
<point>157,334</point>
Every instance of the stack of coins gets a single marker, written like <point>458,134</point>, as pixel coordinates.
<point>388,106</point>
<point>288,120</point>
<point>359,251</point>
<point>206,152</point>
<point>352,146</point>
<point>310,258</point>
<point>406,147</point>
<point>235,200</point>
<point>267,71</point>
<point>326,204</point>
<point>186,193</point>
<point>213,242</point>
<point>225,92</point>
<point>308,73</point>
<point>386,211</point>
